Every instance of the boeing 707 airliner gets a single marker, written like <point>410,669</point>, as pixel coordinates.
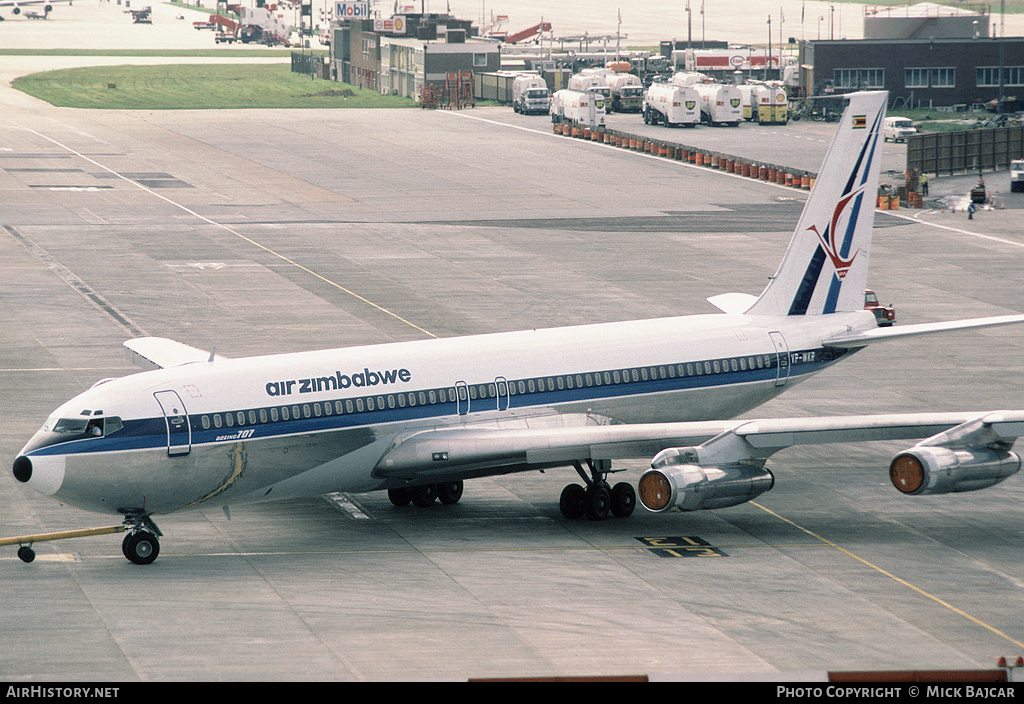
<point>419,418</point>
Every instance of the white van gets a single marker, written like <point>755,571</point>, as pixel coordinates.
<point>897,129</point>
<point>1017,175</point>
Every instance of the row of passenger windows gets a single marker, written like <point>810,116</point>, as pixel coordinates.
<point>500,389</point>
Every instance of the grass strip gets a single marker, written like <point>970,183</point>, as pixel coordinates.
<point>197,86</point>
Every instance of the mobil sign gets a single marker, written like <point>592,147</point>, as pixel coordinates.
<point>351,10</point>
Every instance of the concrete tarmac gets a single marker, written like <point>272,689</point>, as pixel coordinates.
<point>273,231</point>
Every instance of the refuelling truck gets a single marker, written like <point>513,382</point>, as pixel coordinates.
<point>720,104</point>
<point>765,103</point>
<point>530,95</point>
<point>578,108</point>
<point>671,105</point>
<point>587,82</point>
<point>627,92</point>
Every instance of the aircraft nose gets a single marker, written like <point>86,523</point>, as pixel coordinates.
<point>44,473</point>
<point>23,469</point>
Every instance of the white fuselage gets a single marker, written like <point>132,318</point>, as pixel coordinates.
<point>280,426</point>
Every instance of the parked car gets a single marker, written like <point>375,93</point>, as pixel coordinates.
<point>884,315</point>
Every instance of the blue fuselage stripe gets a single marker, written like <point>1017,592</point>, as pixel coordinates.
<point>151,433</point>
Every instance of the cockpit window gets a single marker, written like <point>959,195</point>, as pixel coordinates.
<point>70,426</point>
<point>88,427</point>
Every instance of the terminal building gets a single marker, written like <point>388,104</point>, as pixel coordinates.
<point>925,55</point>
<point>399,55</point>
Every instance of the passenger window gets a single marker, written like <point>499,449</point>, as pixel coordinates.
<point>205,420</point>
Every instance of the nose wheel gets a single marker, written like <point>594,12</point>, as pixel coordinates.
<point>141,545</point>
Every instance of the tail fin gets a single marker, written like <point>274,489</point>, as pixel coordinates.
<point>825,268</point>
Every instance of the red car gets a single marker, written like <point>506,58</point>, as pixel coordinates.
<point>884,315</point>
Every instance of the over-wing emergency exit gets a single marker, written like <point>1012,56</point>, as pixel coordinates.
<point>419,418</point>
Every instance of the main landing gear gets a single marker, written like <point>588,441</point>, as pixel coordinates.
<point>597,501</point>
<point>423,496</point>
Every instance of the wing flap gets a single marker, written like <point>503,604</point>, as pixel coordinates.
<point>453,450</point>
<point>467,450</point>
<point>160,353</point>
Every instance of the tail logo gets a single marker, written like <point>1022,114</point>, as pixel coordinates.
<point>828,239</point>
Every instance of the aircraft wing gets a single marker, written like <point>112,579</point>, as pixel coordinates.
<point>160,353</point>
<point>867,337</point>
<point>432,455</point>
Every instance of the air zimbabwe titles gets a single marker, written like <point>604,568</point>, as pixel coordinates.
<point>361,379</point>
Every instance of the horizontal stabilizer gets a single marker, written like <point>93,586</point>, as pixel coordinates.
<point>160,353</point>
<point>867,337</point>
<point>736,303</point>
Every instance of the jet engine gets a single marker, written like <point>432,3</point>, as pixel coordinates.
<point>672,482</point>
<point>923,469</point>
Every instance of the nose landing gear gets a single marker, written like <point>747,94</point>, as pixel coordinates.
<point>141,545</point>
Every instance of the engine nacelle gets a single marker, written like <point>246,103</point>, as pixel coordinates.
<point>691,487</point>
<point>926,470</point>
